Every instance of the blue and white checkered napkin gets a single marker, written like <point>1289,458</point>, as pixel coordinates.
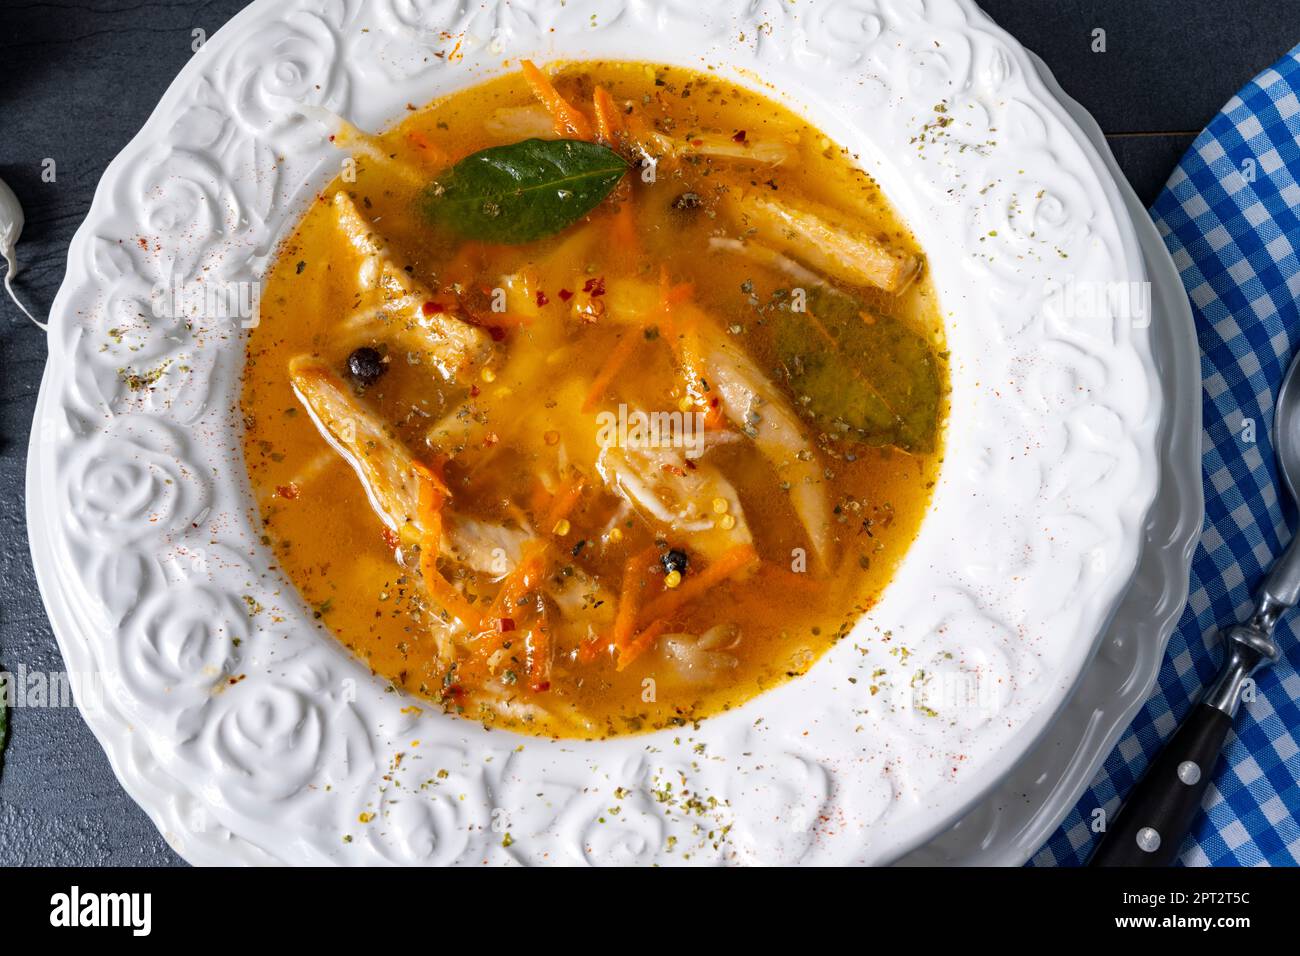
<point>1230,215</point>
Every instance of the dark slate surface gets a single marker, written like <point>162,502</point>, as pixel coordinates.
<point>77,80</point>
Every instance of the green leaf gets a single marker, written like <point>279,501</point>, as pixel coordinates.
<point>864,377</point>
<point>524,191</point>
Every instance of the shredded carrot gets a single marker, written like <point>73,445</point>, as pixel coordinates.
<point>626,240</point>
<point>570,491</point>
<point>726,565</point>
<point>429,153</point>
<point>679,321</point>
<point>444,592</point>
<point>529,625</point>
<point>433,495</point>
<point>569,120</point>
<point>614,363</point>
<point>493,635</point>
<point>641,643</point>
<point>590,648</point>
<point>783,580</point>
<point>677,294</point>
<point>640,136</point>
<point>525,576</point>
<point>433,491</point>
<point>671,295</point>
<point>609,121</point>
<point>625,617</point>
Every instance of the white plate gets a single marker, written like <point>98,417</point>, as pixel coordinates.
<point>1025,808</point>
<point>148,559</point>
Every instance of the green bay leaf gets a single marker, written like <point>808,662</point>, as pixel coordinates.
<point>863,376</point>
<point>523,191</point>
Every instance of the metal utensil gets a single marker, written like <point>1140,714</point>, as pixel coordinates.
<point>1150,828</point>
<point>11,227</point>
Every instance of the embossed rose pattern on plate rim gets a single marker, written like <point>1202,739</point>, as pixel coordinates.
<point>251,736</point>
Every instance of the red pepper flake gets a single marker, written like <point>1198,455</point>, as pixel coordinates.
<point>505,624</point>
<point>473,391</point>
<point>432,308</point>
<point>594,286</point>
<point>674,470</point>
<point>289,491</point>
<point>490,439</point>
<point>566,295</point>
<point>690,464</point>
<point>541,298</point>
<point>739,137</point>
<point>498,334</point>
<point>391,539</point>
<point>542,686</point>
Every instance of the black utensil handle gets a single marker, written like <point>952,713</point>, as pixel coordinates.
<point>1158,813</point>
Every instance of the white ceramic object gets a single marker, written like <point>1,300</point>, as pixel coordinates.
<point>1014,819</point>
<point>250,736</point>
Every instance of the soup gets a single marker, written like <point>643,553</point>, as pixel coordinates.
<point>594,401</point>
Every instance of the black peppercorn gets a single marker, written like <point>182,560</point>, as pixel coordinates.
<point>674,560</point>
<point>366,365</point>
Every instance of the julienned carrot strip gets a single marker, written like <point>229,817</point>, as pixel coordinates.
<point>525,576</point>
<point>563,502</point>
<point>646,140</point>
<point>641,643</point>
<point>628,601</point>
<point>791,580</point>
<point>626,239</point>
<point>433,494</point>
<point>614,363</point>
<point>536,556</point>
<point>625,618</point>
<point>443,591</point>
<point>624,236</point>
<point>429,153</point>
<point>568,118</point>
<point>608,119</point>
<point>677,294</point>
<point>493,634</point>
<point>669,296</point>
<point>726,565</point>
